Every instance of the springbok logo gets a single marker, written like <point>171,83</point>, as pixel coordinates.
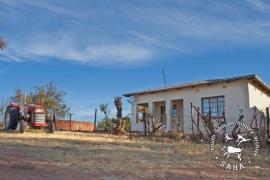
<point>227,138</point>
<point>241,139</point>
<point>232,150</point>
<point>235,153</point>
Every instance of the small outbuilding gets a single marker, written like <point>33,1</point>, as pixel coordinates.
<point>232,96</point>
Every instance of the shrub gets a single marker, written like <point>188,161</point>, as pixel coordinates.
<point>109,124</point>
<point>105,125</point>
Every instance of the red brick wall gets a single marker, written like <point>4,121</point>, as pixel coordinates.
<point>75,125</point>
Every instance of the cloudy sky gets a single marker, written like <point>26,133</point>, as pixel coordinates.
<point>95,50</point>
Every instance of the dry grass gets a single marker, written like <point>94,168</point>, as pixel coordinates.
<point>135,157</point>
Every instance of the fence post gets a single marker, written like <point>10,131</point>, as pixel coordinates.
<point>198,120</point>
<point>54,120</point>
<point>95,122</point>
<point>268,123</point>
<point>225,128</point>
<point>70,115</point>
<point>144,125</point>
<point>191,106</point>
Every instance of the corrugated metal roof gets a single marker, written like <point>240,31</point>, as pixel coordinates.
<point>205,82</point>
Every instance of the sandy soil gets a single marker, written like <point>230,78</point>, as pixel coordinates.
<point>66,155</point>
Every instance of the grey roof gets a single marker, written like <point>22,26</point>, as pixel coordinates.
<point>255,78</point>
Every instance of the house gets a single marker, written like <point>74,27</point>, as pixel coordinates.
<point>173,103</point>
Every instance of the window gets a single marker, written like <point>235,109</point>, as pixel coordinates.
<point>214,104</point>
<point>162,114</point>
<point>141,112</point>
<point>141,117</point>
<point>174,112</point>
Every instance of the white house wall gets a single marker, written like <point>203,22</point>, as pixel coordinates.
<point>258,98</point>
<point>235,93</point>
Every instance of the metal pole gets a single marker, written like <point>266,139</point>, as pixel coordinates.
<point>191,116</point>
<point>268,123</point>
<point>70,115</point>
<point>95,122</point>
<point>198,120</point>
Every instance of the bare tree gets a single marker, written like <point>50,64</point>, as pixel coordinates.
<point>237,127</point>
<point>120,124</point>
<point>3,43</point>
<point>3,105</point>
<point>153,127</point>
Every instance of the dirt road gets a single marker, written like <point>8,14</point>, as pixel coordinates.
<point>78,156</point>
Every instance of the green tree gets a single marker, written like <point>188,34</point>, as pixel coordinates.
<point>127,123</point>
<point>52,98</point>
<point>105,109</point>
<point>48,95</point>
<point>105,125</point>
<point>19,96</point>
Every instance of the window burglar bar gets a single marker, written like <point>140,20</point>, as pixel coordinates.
<point>215,105</point>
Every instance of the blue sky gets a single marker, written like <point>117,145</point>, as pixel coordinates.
<point>95,50</point>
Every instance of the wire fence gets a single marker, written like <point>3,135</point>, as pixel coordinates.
<point>253,117</point>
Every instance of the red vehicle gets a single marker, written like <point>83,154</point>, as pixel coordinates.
<point>19,117</point>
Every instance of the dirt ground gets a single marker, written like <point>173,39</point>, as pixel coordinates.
<point>69,155</point>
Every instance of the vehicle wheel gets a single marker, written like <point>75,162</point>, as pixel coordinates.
<point>11,118</point>
<point>21,126</point>
<point>6,119</point>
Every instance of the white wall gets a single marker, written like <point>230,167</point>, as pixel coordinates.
<point>258,98</point>
<point>236,97</point>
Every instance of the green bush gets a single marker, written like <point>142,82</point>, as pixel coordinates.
<point>109,124</point>
<point>105,125</point>
<point>127,124</point>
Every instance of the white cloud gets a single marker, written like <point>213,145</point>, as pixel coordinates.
<point>260,5</point>
<point>9,55</point>
<point>156,42</point>
<point>67,49</point>
<point>129,32</point>
<point>54,7</point>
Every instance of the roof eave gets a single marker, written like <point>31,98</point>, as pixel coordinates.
<point>203,83</point>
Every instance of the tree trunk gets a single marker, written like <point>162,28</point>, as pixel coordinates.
<point>120,124</point>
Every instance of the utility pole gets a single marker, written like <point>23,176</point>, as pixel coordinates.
<point>1,111</point>
<point>70,118</point>
<point>268,123</point>
<point>164,77</point>
<point>95,122</point>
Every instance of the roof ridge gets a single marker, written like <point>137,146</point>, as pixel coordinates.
<point>198,83</point>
